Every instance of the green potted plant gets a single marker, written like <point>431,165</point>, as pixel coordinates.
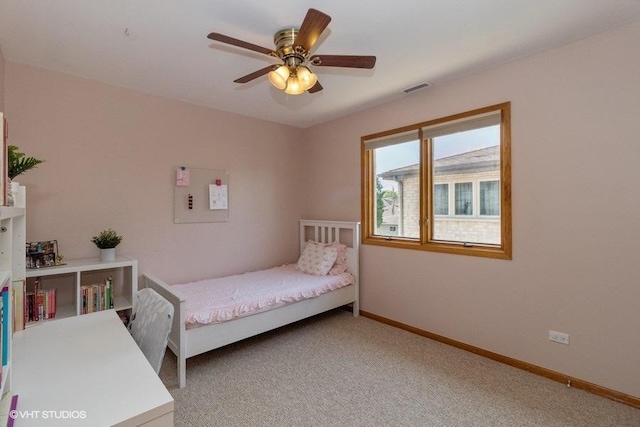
<point>106,241</point>
<point>17,163</point>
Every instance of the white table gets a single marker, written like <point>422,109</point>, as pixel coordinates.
<point>86,371</point>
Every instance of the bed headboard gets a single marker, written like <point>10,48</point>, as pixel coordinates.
<point>345,232</point>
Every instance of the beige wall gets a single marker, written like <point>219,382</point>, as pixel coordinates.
<point>576,214</point>
<point>110,156</point>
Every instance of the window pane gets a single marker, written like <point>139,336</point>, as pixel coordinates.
<point>489,198</point>
<point>464,198</point>
<point>441,199</point>
<point>470,161</point>
<point>397,190</point>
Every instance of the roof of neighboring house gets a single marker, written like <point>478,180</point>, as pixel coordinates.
<point>484,159</point>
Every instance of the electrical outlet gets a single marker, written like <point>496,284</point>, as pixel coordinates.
<point>560,337</point>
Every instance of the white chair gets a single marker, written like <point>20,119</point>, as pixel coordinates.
<point>150,325</point>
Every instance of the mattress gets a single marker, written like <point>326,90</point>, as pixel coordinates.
<point>227,298</point>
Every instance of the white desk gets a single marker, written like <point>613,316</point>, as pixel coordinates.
<point>87,365</point>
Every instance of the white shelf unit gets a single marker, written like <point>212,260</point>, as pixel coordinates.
<point>69,278</point>
<point>12,267</point>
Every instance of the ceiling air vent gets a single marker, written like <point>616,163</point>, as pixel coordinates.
<point>416,88</point>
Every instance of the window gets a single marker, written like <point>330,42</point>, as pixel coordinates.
<point>442,185</point>
<point>441,199</point>
<point>464,198</point>
<point>489,198</point>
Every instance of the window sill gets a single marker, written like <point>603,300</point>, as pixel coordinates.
<point>450,248</point>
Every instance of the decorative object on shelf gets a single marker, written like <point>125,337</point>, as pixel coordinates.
<point>42,254</point>
<point>17,164</point>
<point>107,241</point>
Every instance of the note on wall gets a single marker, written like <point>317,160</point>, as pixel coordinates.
<point>217,197</point>
<point>205,197</point>
<point>183,177</point>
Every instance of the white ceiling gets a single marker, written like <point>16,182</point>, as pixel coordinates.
<point>161,46</point>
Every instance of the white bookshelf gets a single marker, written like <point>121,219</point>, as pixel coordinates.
<point>69,278</point>
<point>12,268</point>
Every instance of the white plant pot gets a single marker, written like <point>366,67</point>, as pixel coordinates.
<point>18,194</point>
<point>108,255</point>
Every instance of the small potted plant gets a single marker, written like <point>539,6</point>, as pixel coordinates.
<point>106,241</point>
<point>17,164</point>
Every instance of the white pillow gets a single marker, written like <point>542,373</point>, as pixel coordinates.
<point>316,259</point>
<point>340,266</point>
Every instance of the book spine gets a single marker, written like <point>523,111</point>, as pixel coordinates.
<point>12,408</point>
<point>18,306</point>
<point>53,304</point>
<point>25,303</point>
<point>6,333</point>
<point>109,284</point>
<point>45,304</point>
<point>83,290</point>
<point>2,334</point>
<point>107,296</point>
<point>29,307</point>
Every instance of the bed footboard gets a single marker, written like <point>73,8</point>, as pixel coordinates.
<point>177,337</point>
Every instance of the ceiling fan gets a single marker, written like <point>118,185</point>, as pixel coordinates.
<point>293,48</point>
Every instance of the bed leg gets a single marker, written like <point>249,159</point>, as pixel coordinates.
<point>356,308</point>
<point>182,372</point>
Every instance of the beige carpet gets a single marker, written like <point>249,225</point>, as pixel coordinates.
<point>337,370</point>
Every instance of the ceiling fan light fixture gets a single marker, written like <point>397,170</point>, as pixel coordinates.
<point>293,86</point>
<point>279,76</point>
<point>293,47</point>
<point>306,78</point>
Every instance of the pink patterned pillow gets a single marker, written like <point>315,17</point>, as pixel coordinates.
<point>340,266</point>
<point>316,259</point>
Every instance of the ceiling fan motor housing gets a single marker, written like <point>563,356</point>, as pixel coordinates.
<point>284,40</point>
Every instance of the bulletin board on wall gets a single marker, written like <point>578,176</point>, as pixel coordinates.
<point>200,195</point>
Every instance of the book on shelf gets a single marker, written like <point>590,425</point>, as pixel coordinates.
<point>18,290</point>
<point>8,403</point>
<point>96,297</point>
<point>6,332</point>
<point>41,305</point>
<point>2,331</point>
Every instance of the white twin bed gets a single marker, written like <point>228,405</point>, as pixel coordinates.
<point>210,314</point>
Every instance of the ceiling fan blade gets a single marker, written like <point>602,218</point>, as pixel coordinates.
<point>255,74</point>
<point>315,88</point>
<point>313,25</point>
<point>246,45</point>
<point>349,61</point>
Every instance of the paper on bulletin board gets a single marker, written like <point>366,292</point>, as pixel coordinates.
<point>183,177</point>
<point>218,197</point>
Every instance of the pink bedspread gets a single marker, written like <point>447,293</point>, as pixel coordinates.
<point>226,298</point>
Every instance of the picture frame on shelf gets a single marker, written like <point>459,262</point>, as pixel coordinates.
<point>42,254</point>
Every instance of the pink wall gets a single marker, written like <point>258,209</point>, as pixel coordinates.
<point>110,159</point>
<point>111,152</point>
<point>2,67</point>
<point>576,214</point>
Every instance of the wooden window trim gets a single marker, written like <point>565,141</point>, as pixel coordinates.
<point>502,251</point>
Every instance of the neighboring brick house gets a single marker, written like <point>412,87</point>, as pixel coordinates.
<point>466,198</point>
